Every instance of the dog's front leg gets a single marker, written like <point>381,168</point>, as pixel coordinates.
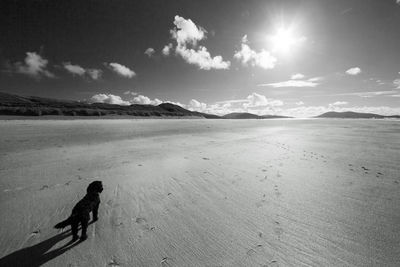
<point>95,212</point>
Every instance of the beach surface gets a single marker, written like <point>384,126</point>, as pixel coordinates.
<point>315,192</point>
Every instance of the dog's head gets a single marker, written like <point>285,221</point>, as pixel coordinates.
<point>95,187</point>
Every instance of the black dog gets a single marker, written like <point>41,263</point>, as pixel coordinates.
<point>81,211</point>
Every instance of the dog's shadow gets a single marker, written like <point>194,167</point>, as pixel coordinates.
<point>39,254</point>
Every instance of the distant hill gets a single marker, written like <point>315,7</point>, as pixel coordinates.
<point>245,115</point>
<point>275,117</point>
<point>11,104</point>
<point>237,115</point>
<point>355,115</point>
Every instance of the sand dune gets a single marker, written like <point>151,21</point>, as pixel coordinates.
<point>203,192</point>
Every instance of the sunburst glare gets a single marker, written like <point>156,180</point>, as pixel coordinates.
<point>285,40</point>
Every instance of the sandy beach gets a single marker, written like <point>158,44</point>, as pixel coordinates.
<point>203,192</point>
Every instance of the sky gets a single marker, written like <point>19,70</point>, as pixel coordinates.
<point>298,58</point>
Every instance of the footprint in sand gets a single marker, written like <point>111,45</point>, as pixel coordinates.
<point>67,183</point>
<point>118,223</point>
<point>260,203</point>
<point>35,233</point>
<point>143,223</point>
<point>166,261</point>
<point>254,250</point>
<point>140,220</point>
<point>114,263</point>
<point>206,158</point>
<point>277,193</point>
<point>278,231</point>
<point>44,187</point>
<point>273,263</point>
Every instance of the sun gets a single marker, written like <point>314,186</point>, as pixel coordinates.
<point>285,40</point>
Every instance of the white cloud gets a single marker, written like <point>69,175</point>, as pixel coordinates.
<point>339,103</point>
<point>299,103</point>
<point>130,93</point>
<point>167,49</point>
<point>297,76</point>
<point>247,56</point>
<point>398,2</point>
<point>291,83</point>
<point>74,69</point>
<point>95,74</point>
<point>122,70</point>
<point>256,100</point>
<point>202,58</point>
<point>353,71</point>
<point>195,105</point>
<point>397,82</point>
<point>187,33</point>
<point>315,79</point>
<point>115,99</point>
<point>109,99</point>
<point>144,100</point>
<point>34,66</point>
<point>253,103</point>
<point>149,51</point>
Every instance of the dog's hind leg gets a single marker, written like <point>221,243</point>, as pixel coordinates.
<point>85,223</point>
<point>74,229</point>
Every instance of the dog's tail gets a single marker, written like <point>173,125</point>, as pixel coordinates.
<point>64,223</point>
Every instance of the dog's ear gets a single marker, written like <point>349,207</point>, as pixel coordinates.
<point>95,187</point>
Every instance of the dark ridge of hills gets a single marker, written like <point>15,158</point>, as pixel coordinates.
<point>275,117</point>
<point>245,115</point>
<point>11,104</point>
<point>206,115</point>
<point>238,115</point>
<point>355,115</point>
